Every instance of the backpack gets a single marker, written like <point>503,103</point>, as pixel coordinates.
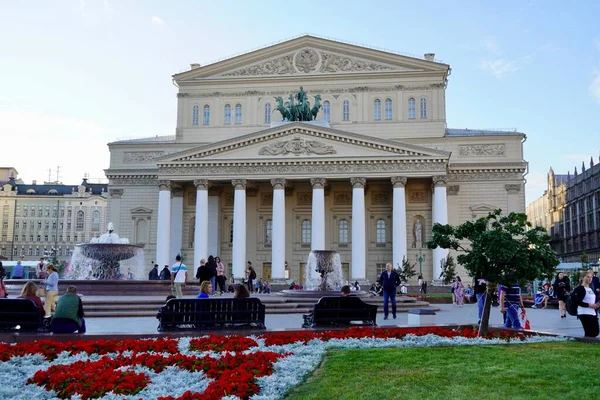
<point>572,303</point>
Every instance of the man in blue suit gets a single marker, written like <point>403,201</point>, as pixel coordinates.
<point>389,280</point>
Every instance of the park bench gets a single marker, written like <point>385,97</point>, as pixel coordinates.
<point>19,312</point>
<point>341,310</point>
<point>200,314</point>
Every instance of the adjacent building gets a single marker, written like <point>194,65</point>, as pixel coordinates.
<point>570,211</point>
<point>48,219</point>
<point>367,178</point>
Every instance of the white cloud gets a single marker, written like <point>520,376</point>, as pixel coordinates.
<point>491,45</point>
<point>499,68</point>
<point>158,22</point>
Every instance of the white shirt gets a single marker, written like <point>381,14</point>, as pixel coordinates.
<point>589,298</point>
<point>180,277</point>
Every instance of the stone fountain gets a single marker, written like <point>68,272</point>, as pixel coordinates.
<point>107,257</point>
<point>323,276</point>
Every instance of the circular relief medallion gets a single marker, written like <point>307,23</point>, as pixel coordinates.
<point>307,60</point>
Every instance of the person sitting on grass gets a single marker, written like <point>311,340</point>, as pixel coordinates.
<point>205,290</point>
<point>68,317</point>
<point>29,291</point>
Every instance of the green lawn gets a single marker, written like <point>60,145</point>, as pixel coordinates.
<point>565,370</point>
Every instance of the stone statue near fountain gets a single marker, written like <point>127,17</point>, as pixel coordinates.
<point>107,258</point>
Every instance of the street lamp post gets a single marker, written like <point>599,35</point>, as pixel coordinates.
<point>420,258</point>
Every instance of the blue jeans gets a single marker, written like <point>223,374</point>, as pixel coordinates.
<point>213,282</point>
<point>65,325</point>
<point>480,303</point>
<point>387,296</point>
<point>512,317</point>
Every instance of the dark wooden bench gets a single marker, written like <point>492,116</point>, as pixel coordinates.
<point>19,312</point>
<point>199,314</point>
<point>341,310</point>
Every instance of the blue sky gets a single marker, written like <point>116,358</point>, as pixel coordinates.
<point>75,75</point>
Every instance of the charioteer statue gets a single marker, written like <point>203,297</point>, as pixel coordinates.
<point>301,110</point>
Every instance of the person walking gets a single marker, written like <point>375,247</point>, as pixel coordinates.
<point>562,287</point>
<point>221,278</point>
<point>212,267</point>
<point>51,290</point>
<point>389,280</point>
<point>178,277</point>
<point>459,292</point>
<point>510,304</point>
<point>587,306</point>
<point>203,272</point>
<point>251,277</point>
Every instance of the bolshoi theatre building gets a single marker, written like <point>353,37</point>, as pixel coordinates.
<point>367,175</point>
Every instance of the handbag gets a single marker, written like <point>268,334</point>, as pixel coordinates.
<point>41,292</point>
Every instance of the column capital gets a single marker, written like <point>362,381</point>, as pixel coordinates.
<point>513,188</point>
<point>439,180</point>
<point>201,184</point>
<point>318,183</point>
<point>115,193</point>
<point>358,182</point>
<point>399,181</point>
<point>239,184</point>
<point>164,184</point>
<point>278,183</point>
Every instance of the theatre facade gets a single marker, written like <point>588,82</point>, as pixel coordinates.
<point>368,177</point>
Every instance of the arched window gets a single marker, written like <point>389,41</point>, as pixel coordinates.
<point>388,109</point>
<point>238,113</point>
<point>343,232</point>
<point>268,232</point>
<point>96,221</point>
<point>326,111</point>
<point>79,223</point>
<point>306,232</point>
<point>231,232</point>
<point>206,115</point>
<point>380,232</point>
<point>346,110</point>
<point>423,108</point>
<point>227,114</point>
<point>195,113</point>
<point>377,110</point>
<point>411,108</point>
<point>268,113</point>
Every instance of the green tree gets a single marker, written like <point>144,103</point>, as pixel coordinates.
<point>501,248</point>
<point>448,269</point>
<point>406,271</point>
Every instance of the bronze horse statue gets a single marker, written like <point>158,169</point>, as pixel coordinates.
<point>285,112</point>
<point>315,110</point>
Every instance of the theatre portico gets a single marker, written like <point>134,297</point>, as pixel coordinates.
<point>367,178</point>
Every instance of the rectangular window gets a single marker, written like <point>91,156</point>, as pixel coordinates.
<point>38,238</point>
<point>379,268</point>
<point>24,211</point>
<point>16,238</point>
<point>30,251</point>
<point>18,213</point>
<point>31,238</point>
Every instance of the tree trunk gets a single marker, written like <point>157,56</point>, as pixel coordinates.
<point>485,317</point>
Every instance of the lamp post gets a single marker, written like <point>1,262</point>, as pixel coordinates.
<point>420,258</point>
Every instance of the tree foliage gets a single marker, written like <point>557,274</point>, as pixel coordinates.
<point>406,271</point>
<point>498,247</point>
<point>448,269</point>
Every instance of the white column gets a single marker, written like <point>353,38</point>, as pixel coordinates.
<point>114,205</point>
<point>176,221</point>
<point>201,222</point>
<point>318,214</point>
<point>399,221</point>
<point>359,243</point>
<point>440,216</point>
<point>278,233</point>
<point>163,225</point>
<point>239,227</point>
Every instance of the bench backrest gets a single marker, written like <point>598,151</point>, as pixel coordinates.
<point>337,308</point>
<point>23,312</point>
<point>213,311</point>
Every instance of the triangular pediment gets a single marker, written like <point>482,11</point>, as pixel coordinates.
<point>311,55</point>
<point>483,207</point>
<point>295,141</point>
<point>141,211</point>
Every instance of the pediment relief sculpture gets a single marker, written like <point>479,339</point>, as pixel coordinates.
<point>296,146</point>
<point>310,60</point>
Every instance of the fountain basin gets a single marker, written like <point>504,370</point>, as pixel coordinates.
<point>317,294</point>
<point>109,251</point>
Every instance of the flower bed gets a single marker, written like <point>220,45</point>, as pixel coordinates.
<point>209,367</point>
